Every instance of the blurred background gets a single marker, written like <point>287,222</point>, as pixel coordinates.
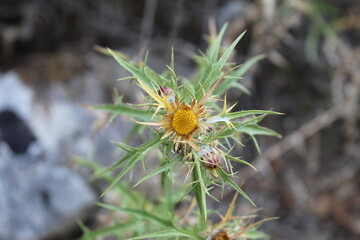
<point>310,178</point>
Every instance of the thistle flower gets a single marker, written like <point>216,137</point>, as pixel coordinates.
<point>235,227</point>
<point>183,122</point>
<point>188,118</point>
<point>191,128</point>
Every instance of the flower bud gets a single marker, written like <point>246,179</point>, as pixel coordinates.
<point>209,156</point>
<point>168,93</point>
<point>211,160</point>
<point>164,91</point>
<point>220,236</point>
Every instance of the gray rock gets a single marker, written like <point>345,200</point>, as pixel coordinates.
<point>39,200</point>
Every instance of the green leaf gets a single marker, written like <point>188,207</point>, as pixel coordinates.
<point>122,109</point>
<point>255,143</point>
<point>211,71</point>
<point>199,189</point>
<point>118,229</point>
<point>171,232</point>
<point>254,129</point>
<point>83,227</point>
<point>125,147</point>
<point>138,73</point>
<point>167,187</point>
<point>226,85</point>
<point>166,167</point>
<point>206,76</point>
<point>247,65</point>
<point>130,154</point>
<point>232,82</point>
<point>172,62</point>
<point>227,53</point>
<point>189,87</point>
<point>234,115</point>
<point>215,47</point>
<point>132,158</point>
<point>239,160</point>
<point>141,214</point>
<point>227,131</point>
<point>225,177</point>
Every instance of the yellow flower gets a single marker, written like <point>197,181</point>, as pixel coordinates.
<point>182,121</point>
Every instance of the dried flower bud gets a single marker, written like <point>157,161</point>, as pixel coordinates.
<point>178,148</point>
<point>210,157</point>
<point>211,160</point>
<point>220,236</point>
<point>167,92</point>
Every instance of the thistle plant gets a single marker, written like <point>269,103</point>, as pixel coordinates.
<point>191,124</point>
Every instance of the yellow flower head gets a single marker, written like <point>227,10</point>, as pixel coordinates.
<point>181,121</point>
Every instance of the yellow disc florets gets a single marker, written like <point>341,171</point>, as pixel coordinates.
<point>184,121</point>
